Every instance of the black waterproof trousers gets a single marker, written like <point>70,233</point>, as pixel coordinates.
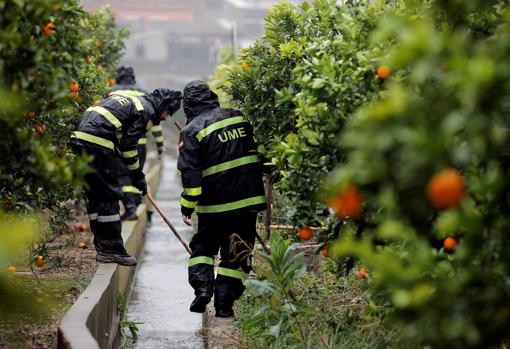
<point>103,192</point>
<point>234,236</point>
<point>132,197</point>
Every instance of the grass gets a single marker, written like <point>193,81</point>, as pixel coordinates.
<point>36,327</point>
<point>333,311</point>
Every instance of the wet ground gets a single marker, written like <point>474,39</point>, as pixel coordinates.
<point>161,294</point>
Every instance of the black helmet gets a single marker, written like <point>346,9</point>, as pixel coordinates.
<point>125,75</point>
<point>165,99</point>
<point>198,98</point>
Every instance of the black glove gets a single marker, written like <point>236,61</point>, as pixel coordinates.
<point>140,183</point>
<point>187,211</point>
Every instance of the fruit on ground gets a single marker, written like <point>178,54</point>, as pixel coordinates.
<point>111,81</point>
<point>383,72</point>
<point>71,229</point>
<point>325,251</point>
<point>10,269</point>
<point>446,189</point>
<point>362,272</point>
<point>82,245</point>
<point>83,227</point>
<point>348,203</point>
<point>449,243</point>
<point>305,233</point>
<point>40,261</point>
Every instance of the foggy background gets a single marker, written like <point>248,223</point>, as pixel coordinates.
<point>175,41</point>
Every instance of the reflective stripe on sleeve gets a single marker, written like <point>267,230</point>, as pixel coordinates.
<point>131,189</point>
<point>186,203</point>
<point>93,216</point>
<point>93,139</point>
<point>129,154</point>
<point>107,219</point>
<point>134,166</point>
<point>193,191</point>
<point>217,125</point>
<point>230,164</point>
<point>156,128</point>
<point>231,205</point>
<point>108,115</point>
<point>200,260</point>
<point>233,273</point>
<point>142,140</point>
<point>127,93</point>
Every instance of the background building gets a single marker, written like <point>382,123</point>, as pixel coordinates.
<point>175,41</point>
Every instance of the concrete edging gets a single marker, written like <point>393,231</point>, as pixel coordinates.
<point>93,321</point>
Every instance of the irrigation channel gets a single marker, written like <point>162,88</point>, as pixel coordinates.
<point>161,295</point>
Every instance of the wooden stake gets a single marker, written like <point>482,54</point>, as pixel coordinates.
<point>165,218</point>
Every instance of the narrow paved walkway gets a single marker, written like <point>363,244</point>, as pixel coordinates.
<point>161,294</point>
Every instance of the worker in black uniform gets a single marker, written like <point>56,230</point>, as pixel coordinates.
<point>222,181</point>
<point>108,131</point>
<point>132,197</point>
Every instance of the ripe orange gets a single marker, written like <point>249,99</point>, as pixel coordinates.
<point>245,65</point>
<point>111,81</point>
<point>39,128</point>
<point>48,28</point>
<point>305,233</point>
<point>383,72</point>
<point>82,245</point>
<point>446,189</point>
<point>348,203</point>
<point>325,251</point>
<point>10,269</point>
<point>31,114</point>
<point>83,227</point>
<point>449,243</point>
<point>40,261</point>
<point>362,273</point>
<point>75,86</point>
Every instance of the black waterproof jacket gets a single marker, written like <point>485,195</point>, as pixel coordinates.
<point>118,122</point>
<point>132,89</point>
<point>218,157</point>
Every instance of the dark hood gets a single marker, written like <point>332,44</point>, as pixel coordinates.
<point>125,76</point>
<point>198,98</point>
<point>164,99</point>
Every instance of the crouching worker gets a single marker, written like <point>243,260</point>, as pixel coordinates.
<point>108,131</point>
<point>222,181</point>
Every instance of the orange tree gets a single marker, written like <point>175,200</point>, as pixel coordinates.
<point>430,159</point>
<point>55,60</point>
<point>299,84</point>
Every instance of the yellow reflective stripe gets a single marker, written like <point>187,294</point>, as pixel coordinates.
<point>186,203</point>
<point>217,125</point>
<point>232,273</point>
<point>136,101</point>
<point>231,205</point>
<point>157,128</point>
<point>93,139</point>
<point>134,166</point>
<point>130,154</point>
<point>142,140</point>
<point>230,164</point>
<point>193,191</point>
<point>109,116</point>
<point>131,189</point>
<point>200,259</point>
<point>159,139</point>
<point>127,92</point>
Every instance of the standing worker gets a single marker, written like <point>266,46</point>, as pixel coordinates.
<point>108,131</point>
<point>222,180</point>
<point>126,85</point>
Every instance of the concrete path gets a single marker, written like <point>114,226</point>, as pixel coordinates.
<point>161,294</point>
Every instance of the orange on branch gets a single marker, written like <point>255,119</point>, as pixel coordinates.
<point>446,189</point>
<point>348,203</point>
<point>383,72</point>
<point>449,243</point>
<point>305,233</point>
<point>362,272</point>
